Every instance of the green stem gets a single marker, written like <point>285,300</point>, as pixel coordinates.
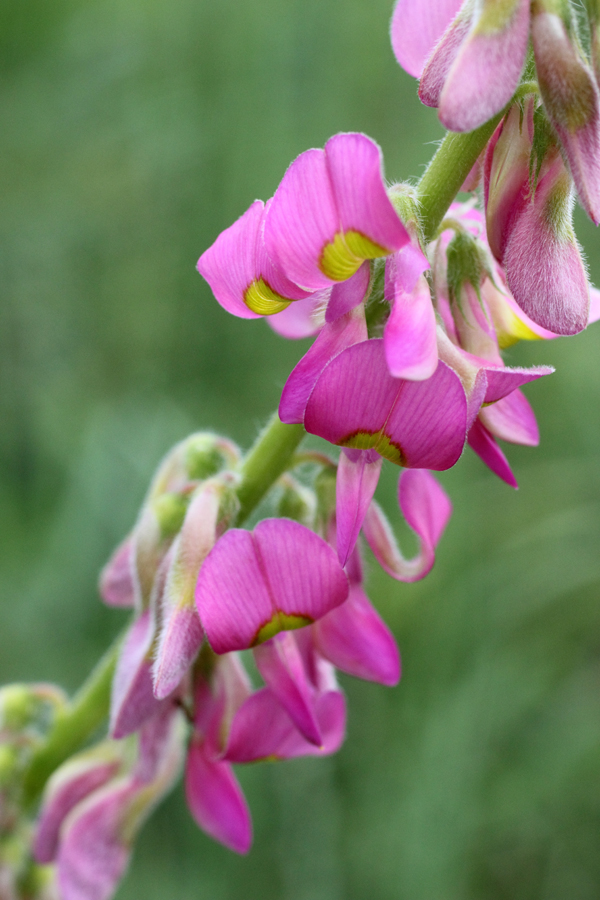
<point>447,171</point>
<point>73,727</point>
<point>265,462</point>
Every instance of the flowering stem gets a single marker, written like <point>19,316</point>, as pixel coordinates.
<point>266,461</point>
<point>442,180</point>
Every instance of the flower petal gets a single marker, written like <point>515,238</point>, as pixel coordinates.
<point>281,665</point>
<point>132,700</point>
<point>357,476</point>
<point>116,579</point>
<point>356,403</point>
<point>262,729</point>
<point>216,800</point>
<point>356,640</point>
<point>300,319</point>
<point>501,381</point>
<point>348,294</point>
<point>445,52</point>
<point>488,66</point>
<point>410,331</point>
<point>343,332</point>
<point>481,441</point>
<point>512,419</point>
<point>426,508</point>
<point>416,28</point>
<point>253,585</point>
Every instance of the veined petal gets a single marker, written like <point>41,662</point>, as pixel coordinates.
<point>262,729</point>
<point>426,508</point>
<point>481,441</point>
<point>281,665</point>
<point>488,65</point>
<point>410,332</point>
<point>253,585</point>
<point>356,640</point>
<point>445,52</point>
<point>348,294</point>
<point>417,27</point>
<point>356,403</point>
<point>357,476</point>
<point>343,332</point>
<point>512,419</point>
<point>116,579</point>
<point>501,381</point>
<point>216,800</point>
<point>370,224</point>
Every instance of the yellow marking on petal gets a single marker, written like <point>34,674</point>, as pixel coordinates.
<point>342,257</point>
<point>263,300</point>
<point>513,330</point>
<point>495,16</point>
<point>378,440</point>
<point>280,622</point>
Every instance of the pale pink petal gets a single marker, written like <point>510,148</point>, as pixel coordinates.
<point>180,640</point>
<point>116,579</point>
<point>300,319</point>
<point>416,28</point>
<point>512,419</point>
<point>216,800</point>
<point>484,445</point>
<point>439,64</point>
<point>343,332</point>
<point>281,665</point>
<point>410,331</point>
<point>132,699</point>
<point>594,313</point>
<point>426,509</point>
<point>348,294</point>
<point>262,729</point>
<point>70,784</point>
<point>253,585</point>
<point>357,477</point>
<point>356,403</point>
<point>572,101</point>
<point>356,640</point>
<point>487,68</point>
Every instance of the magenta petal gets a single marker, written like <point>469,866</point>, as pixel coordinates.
<point>280,663</point>
<point>357,476</point>
<point>302,219</point>
<point>93,853</point>
<point>502,381</point>
<point>403,270</point>
<point>116,578</point>
<point>262,729</point>
<point>417,27</point>
<point>300,319</point>
<point>410,332</point>
<point>69,785</point>
<point>355,167</point>
<point>348,294</point>
<point>355,639</point>
<point>484,445</point>
<point>230,264</point>
<point>417,424</point>
<point>216,800</point>
<point>343,332</point>
<point>426,509</point>
<point>512,419</point>
<point>279,577</point>
<point>133,700</point>
<point>486,70</point>
<point>439,64</point>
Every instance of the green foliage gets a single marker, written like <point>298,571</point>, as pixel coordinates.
<point>133,132</point>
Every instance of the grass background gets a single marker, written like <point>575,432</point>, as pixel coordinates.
<point>133,132</point>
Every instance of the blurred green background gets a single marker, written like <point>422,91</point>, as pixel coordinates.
<point>133,131</point>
